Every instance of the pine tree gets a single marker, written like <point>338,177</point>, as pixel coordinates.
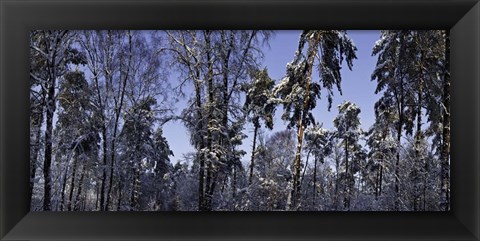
<point>318,142</point>
<point>381,142</point>
<point>347,125</point>
<point>408,68</point>
<point>272,190</point>
<point>298,93</point>
<point>54,49</point>
<point>137,132</point>
<point>391,73</point>
<point>259,107</point>
<point>76,128</point>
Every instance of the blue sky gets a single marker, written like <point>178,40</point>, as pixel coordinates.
<point>356,87</point>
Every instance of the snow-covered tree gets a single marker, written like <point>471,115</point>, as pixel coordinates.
<point>137,134</point>
<point>53,52</point>
<point>124,68</point>
<point>410,67</point>
<point>216,64</point>
<point>77,133</point>
<point>318,142</point>
<point>391,73</point>
<point>259,107</point>
<point>100,101</point>
<point>347,125</point>
<point>445,117</point>
<point>108,60</point>
<point>299,93</point>
<point>270,190</point>
<point>382,145</point>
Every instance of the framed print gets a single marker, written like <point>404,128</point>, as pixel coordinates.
<point>113,144</point>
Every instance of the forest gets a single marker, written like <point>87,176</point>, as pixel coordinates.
<point>101,100</point>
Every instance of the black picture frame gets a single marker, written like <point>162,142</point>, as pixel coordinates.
<point>18,17</point>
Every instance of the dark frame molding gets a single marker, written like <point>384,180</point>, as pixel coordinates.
<point>17,17</point>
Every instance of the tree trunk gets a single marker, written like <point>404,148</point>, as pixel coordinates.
<point>211,190</point>
<point>135,185</point>
<point>305,169</point>
<point>376,185</point>
<point>445,152</point>
<point>314,202</point>
<point>224,183</point>
<point>210,104</point>
<point>108,82</point>
<point>119,201</point>
<point>201,156</point>
<point>94,57</point>
<point>101,192</point>
<point>225,72</point>
<point>194,70</point>
<point>397,163</point>
<point>418,140</point>
<point>97,203</point>
<point>50,110</point>
<point>234,188</point>
<point>64,184</point>
<point>253,155</point>
<point>381,180</point>
<point>337,167</point>
<point>301,125</point>
<point>72,185</point>
<point>37,121</point>
<point>346,201</point>
<point>104,167</point>
<point>117,118</point>
<point>400,109</point>
<point>75,205</point>
<point>48,142</point>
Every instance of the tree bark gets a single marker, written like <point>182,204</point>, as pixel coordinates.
<point>115,126</point>
<point>64,185</point>
<point>48,141</point>
<point>37,121</point>
<point>201,156</point>
<point>252,162</point>
<point>75,205</point>
<point>381,180</point>
<point>295,195</point>
<point>419,135</point>
<point>400,109</point>
<point>104,167</point>
<point>337,167</point>
<point>418,140</point>
<point>97,203</point>
<point>445,152</point>
<point>93,57</point>
<point>135,186</point>
<point>346,203</point>
<point>210,104</point>
<point>72,184</point>
<point>397,163</point>
<point>51,107</point>
<point>108,80</point>
<point>376,185</point>
<point>314,202</point>
<point>305,169</point>
<point>119,201</point>
<point>234,188</point>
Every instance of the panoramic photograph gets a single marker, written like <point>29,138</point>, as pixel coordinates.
<point>239,120</point>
